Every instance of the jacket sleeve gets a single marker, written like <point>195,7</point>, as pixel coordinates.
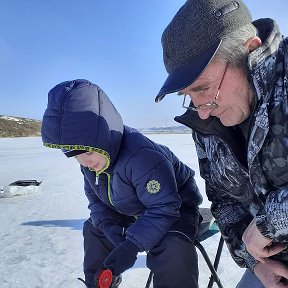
<point>272,220</point>
<point>231,215</point>
<point>154,181</point>
<point>99,212</point>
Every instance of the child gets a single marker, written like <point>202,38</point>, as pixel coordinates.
<point>141,197</point>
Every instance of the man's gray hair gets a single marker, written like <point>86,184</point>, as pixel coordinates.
<point>232,48</point>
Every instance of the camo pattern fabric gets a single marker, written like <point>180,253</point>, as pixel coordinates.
<point>260,188</point>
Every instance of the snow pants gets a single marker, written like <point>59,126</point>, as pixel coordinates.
<point>96,249</point>
<point>173,260</point>
<point>249,279</point>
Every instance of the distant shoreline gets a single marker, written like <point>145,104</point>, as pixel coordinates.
<point>168,132</point>
<point>15,127</point>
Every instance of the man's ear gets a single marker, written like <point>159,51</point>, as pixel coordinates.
<point>253,43</point>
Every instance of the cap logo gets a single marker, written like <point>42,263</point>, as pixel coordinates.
<point>153,186</point>
<point>226,9</point>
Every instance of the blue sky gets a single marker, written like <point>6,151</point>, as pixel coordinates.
<point>113,43</point>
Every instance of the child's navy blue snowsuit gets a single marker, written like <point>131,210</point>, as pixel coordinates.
<point>144,187</point>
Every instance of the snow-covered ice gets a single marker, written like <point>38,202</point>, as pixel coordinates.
<point>41,233</point>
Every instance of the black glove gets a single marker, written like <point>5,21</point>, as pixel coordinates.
<point>122,257</point>
<point>113,232</point>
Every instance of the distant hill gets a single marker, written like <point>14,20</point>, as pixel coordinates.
<point>166,130</point>
<point>19,127</point>
<point>11,126</point>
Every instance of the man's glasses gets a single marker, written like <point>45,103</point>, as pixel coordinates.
<point>208,105</point>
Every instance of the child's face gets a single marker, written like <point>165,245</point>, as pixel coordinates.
<point>93,160</point>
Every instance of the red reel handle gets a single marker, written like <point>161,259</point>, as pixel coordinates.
<point>104,279</point>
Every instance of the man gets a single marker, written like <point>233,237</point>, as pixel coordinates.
<point>235,75</point>
<point>141,196</point>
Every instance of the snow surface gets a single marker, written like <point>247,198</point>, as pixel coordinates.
<point>41,233</point>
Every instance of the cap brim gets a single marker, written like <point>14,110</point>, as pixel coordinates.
<point>185,75</point>
<point>73,153</point>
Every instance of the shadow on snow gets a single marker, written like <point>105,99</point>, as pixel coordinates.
<point>74,224</point>
<point>77,224</point>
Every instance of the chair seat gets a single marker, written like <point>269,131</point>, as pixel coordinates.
<point>208,226</point>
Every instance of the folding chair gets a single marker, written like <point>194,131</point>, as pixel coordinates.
<point>207,228</point>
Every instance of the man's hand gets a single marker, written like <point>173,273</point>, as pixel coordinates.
<point>259,246</point>
<point>272,273</point>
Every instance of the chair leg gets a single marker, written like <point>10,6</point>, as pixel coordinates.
<point>214,276</point>
<point>217,259</point>
<point>213,268</point>
<point>149,280</point>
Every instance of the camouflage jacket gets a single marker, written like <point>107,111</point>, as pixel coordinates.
<point>247,178</point>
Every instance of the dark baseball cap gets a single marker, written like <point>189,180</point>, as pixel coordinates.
<point>193,37</point>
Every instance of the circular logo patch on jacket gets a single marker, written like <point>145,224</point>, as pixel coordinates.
<point>153,186</point>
